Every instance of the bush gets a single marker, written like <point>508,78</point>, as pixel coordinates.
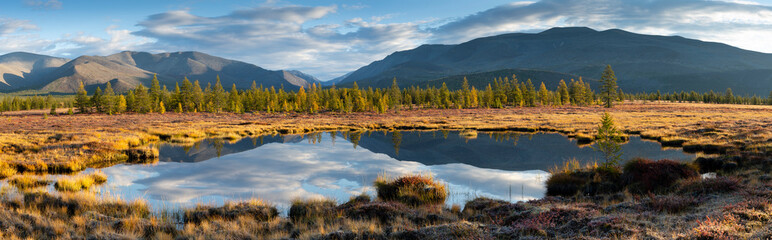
<point>643,175</point>
<point>566,184</point>
<point>591,180</point>
<point>412,190</point>
<point>475,209</point>
<point>384,212</point>
<point>671,203</point>
<point>315,211</point>
<point>255,209</point>
<point>718,184</point>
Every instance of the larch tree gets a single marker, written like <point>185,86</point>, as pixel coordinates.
<point>563,91</point>
<point>608,87</point>
<point>544,94</point>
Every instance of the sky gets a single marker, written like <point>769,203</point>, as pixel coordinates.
<point>330,38</point>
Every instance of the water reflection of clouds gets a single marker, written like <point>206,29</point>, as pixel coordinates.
<point>280,172</point>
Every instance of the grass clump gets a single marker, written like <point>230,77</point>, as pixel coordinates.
<point>6,170</point>
<point>82,182</point>
<point>27,182</point>
<point>254,209</point>
<point>313,211</point>
<point>412,190</point>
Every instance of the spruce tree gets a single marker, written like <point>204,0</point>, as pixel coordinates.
<point>608,141</point>
<point>608,87</point>
<point>81,99</point>
<point>108,97</point>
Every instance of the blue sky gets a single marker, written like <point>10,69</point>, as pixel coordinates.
<point>329,38</point>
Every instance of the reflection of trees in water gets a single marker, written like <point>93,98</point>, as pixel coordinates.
<point>507,136</point>
<point>218,144</point>
<point>396,139</point>
<point>354,137</point>
<point>333,135</point>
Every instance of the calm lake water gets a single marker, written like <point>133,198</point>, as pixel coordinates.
<point>338,165</point>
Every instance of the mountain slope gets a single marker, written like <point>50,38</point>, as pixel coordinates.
<point>641,62</point>
<point>20,70</point>
<point>125,70</point>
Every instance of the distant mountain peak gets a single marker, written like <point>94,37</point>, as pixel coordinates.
<point>568,30</point>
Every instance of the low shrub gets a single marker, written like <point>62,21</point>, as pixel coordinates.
<point>384,212</point>
<point>475,209</point>
<point>720,184</point>
<point>671,203</point>
<point>254,209</point>
<point>314,211</point>
<point>591,180</point>
<point>643,175</point>
<point>412,190</point>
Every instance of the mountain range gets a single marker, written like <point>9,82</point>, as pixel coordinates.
<point>125,70</point>
<point>641,62</point>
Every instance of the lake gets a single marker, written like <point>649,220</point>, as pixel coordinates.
<point>280,168</point>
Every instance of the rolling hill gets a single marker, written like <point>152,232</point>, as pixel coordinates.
<point>125,70</point>
<point>641,62</point>
<point>20,70</point>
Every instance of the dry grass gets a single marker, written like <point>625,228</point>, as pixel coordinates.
<point>80,182</point>
<point>24,182</point>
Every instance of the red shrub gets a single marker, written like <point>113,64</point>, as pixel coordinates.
<point>643,175</point>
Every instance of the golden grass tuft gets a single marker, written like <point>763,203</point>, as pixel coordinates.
<point>81,182</point>
<point>412,190</point>
<point>24,182</point>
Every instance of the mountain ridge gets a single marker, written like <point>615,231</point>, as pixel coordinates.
<point>125,70</point>
<point>642,62</point>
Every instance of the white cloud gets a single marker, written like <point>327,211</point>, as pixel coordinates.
<point>275,37</point>
<point>10,26</point>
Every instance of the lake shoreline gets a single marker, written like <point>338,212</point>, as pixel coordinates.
<point>32,144</point>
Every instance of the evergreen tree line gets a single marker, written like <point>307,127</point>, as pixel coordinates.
<point>189,96</point>
<point>18,103</point>
<point>708,97</point>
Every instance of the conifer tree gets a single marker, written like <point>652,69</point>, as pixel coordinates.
<point>608,141</point>
<point>219,96</point>
<point>608,87</point>
<point>563,91</point>
<point>161,108</point>
<point>96,100</point>
<point>108,97</point>
<point>121,104</point>
<point>81,99</point>
<point>544,94</point>
<point>142,103</point>
<point>155,92</point>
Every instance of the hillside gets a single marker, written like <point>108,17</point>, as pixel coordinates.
<point>126,70</point>
<point>20,70</point>
<point>642,62</point>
